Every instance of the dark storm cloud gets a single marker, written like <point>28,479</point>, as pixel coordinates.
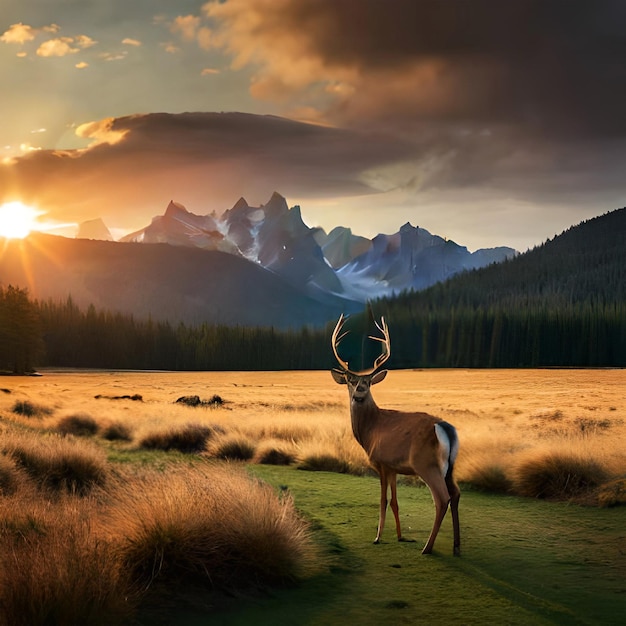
<point>549,66</point>
<point>524,97</point>
<point>205,160</point>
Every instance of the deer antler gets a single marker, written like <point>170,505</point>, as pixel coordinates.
<point>386,350</point>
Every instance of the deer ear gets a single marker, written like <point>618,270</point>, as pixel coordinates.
<point>378,376</point>
<point>339,376</point>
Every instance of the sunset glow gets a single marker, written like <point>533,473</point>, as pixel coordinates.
<point>17,220</point>
<point>393,117</point>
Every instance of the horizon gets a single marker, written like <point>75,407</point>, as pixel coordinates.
<point>487,125</point>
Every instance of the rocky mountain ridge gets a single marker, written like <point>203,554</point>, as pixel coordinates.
<point>339,264</point>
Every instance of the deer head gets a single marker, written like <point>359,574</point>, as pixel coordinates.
<point>359,382</point>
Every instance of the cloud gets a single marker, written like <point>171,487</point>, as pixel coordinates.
<point>186,26</point>
<point>170,47</point>
<point>113,56</point>
<point>18,33</point>
<point>209,71</point>
<point>536,65</point>
<point>22,33</point>
<point>57,47</point>
<point>136,164</point>
<point>131,42</point>
<point>101,132</point>
<point>524,99</point>
<point>189,28</point>
<point>365,179</point>
<point>62,46</point>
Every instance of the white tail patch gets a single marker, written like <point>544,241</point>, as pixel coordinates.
<point>448,450</point>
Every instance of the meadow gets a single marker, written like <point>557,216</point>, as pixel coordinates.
<point>173,508</point>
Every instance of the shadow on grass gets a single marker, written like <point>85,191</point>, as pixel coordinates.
<point>307,599</point>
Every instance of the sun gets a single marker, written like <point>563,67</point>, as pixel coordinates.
<point>17,220</point>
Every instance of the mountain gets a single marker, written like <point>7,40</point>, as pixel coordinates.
<point>175,283</point>
<point>253,266</point>
<point>585,263</point>
<point>94,229</point>
<point>561,304</point>
<point>322,265</point>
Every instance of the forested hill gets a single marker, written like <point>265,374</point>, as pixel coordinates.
<point>562,303</point>
<point>585,263</point>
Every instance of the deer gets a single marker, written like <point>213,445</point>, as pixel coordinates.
<point>400,442</point>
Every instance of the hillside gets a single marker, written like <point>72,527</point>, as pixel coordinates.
<point>587,262</point>
<point>165,282</point>
<point>339,263</point>
<point>562,303</point>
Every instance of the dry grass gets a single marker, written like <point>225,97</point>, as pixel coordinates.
<point>275,452</point>
<point>117,431</point>
<point>232,447</point>
<point>503,416</point>
<point>54,569</point>
<point>80,542</point>
<point>188,438</point>
<point>79,425</point>
<point>144,536</point>
<point>57,463</point>
<point>558,475</point>
<point>210,526</point>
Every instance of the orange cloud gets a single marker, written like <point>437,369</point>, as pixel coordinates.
<point>18,33</point>
<point>62,46</point>
<point>206,160</point>
<point>186,26</point>
<point>57,47</point>
<point>101,132</point>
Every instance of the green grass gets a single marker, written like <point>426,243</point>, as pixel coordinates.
<point>523,561</point>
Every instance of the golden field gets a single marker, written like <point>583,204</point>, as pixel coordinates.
<point>112,507</point>
<point>504,417</point>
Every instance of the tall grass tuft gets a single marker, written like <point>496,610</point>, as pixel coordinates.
<point>10,476</point>
<point>612,493</point>
<point>189,438</point>
<point>54,569</point>
<point>212,527</point>
<point>117,431</point>
<point>235,447</point>
<point>58,463</point>
<point>26,408</point>
<point>79,425</point>
<point>558,475</point>
<point>324,462</point>
<point>274,452</point>
<point>491,478</point>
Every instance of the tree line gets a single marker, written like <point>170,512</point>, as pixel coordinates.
<point>560,304</point>
<point>35,334</point>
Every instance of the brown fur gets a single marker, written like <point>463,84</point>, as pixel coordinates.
<point>399,442</point>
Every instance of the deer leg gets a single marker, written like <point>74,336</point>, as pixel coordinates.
<point>455,496</point>
<point>441,498</point>
<point>394,505</point>
<point>384,479</point>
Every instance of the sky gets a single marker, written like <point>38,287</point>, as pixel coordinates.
<point>487,122</point>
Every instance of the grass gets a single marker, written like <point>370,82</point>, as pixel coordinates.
<point>79,425</point>
<point>211,527</point>
<point>53,570</point>
<point>554,436</point>
<point>57,463</point>
<point>188,438</point>
<point>523,561</point>
<point>559,475</point>
<point>144,540</point>
<point>27,408</point>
